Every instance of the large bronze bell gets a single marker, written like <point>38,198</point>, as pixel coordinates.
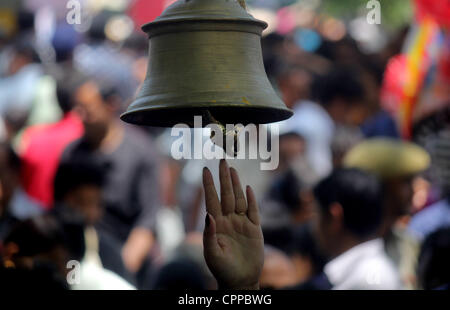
<point>205,57</point>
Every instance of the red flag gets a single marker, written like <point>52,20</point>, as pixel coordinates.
<point>438,9</point>
<point>145,11</point>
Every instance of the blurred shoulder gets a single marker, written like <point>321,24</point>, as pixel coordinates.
<point>379,272</point>
<point>72,149</point>
<point>140,143</point>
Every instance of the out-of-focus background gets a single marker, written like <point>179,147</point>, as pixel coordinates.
<point>77,184</point>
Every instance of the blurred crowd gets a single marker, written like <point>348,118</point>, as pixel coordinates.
<point>79,185</point>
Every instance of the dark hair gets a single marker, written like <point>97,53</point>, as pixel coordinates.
<point>272,61</point>
<point>433,265</point>
<point>360,195</point>
<point>75,173</point>
<point>180,274</point>
<point>42,276</point>
<point>107,91</point>
<point>45,233</point>
<point>25,20</point>
<point>24,46</point>
<point>67,82</point>
<point>37,235</point>
<point>338,83</point>
<point>281,237</point>
<point>296,239</point>
<point>64,95</point>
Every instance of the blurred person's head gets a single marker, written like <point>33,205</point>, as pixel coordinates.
<point>64,97</point>
<point>289,191</point>
<point>341,93</point>
<point>272,47</point>
<point>67,85</point>
<point>67,82</point>
<point>23,53</point>
<point>9,175</point>
<point>433,271</point>
<point>191,250</point>
<point>396,163</point>
<point>344,52</point>
<point>294,84</point>
<point>77,185</point>
<point>98,106</point>
<point>25,21</point>
<point>39,241</point>
<point>181,274</point>
<point>64,41</point>
<point>278,270</point>
<point>291,146</point>
<point>349,210</point>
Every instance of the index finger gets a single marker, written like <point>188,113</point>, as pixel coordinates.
<point>211,199</point>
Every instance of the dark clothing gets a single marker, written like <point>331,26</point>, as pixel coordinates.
<point>130,191</point>
<point>109,250</point>
<point>7,222</point>
<point>380,125</point>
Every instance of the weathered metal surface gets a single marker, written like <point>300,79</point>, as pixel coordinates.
<point>205,55</point>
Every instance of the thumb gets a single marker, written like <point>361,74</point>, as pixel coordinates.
<point>209,235</point>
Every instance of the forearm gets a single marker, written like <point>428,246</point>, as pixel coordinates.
<point>137,247</point>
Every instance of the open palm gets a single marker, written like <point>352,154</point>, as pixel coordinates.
<point>233,241</point>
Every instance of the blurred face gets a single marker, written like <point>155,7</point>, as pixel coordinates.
<point>86,199</point>
<point>357,114</point>
<point>347,113</point>
<point>295,86</point>
<point>94,112</point>
<point>291,147</point>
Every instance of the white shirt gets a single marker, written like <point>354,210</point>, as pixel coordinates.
<point>92,275</point>
<point>313,123</point>
<point>363,267</point>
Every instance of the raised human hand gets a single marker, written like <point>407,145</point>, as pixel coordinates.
<point>233,240</point>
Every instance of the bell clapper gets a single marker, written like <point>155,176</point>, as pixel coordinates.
<point>225,133</point>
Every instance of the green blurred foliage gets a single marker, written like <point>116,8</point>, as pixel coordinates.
<point>394,13</point>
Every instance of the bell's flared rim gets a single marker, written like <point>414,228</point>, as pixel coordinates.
<point>223,112</point>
